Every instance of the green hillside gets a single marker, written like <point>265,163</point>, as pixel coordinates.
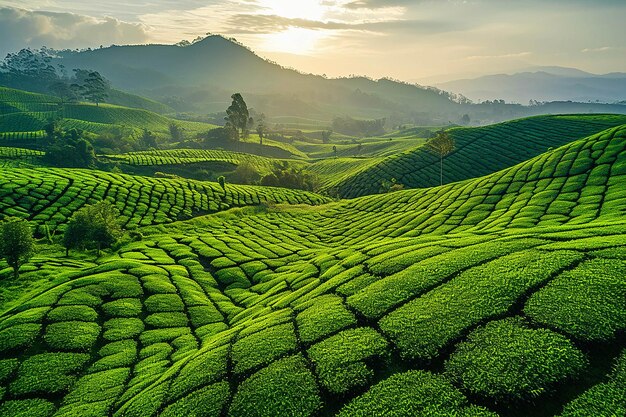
<point>502,295</point>
<point>23,115</point>
<point>479,151</point>
<point>50,196</point>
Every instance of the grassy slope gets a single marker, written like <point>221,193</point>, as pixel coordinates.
<point>479,151</point>
<point>21,111</point>
<point>299,310</point>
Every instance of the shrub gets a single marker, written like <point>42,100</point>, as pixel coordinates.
<point>284,388</point>
<point>263,347</point>
<point>48,373</point>
<point>505,360</point>
<point>72,335</point>
<point>588,302</point>
<point>339,360</point>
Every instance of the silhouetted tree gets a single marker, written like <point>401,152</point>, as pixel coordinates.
<point>441,145</point>
<point>16,242</point>
<point>238,116</point>
<point>465,120</point>
<point>94,88</point>
<point>335,150</point>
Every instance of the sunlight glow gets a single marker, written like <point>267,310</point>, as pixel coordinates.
<point>294,41</point>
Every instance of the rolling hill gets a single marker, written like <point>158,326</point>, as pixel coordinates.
<point>23,116</point>
<point>502,295</point>
<point>479,151</point>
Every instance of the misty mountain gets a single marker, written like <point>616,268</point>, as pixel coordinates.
<point>201,77</point>
<point>543,84</point>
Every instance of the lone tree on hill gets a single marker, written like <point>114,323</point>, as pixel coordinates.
<point>16,242</point>
<point>95,88</point>
<point>93,226</point>
<point>326,135</point>
<point>238,116</point>
<point>441,145</point>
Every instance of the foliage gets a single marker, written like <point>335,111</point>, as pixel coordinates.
<point>238,116</point>
<point>355,127</point>
<point>290,177</point>
<point>17,245</point>
<point>94,225</point>
<point>441,145</point>
<point>506,360</point>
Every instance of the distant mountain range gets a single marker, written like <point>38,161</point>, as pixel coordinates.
<point>199,79</point>
<point>543,84</point>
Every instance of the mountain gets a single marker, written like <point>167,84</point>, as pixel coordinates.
<point>201,77</point>
<point>543,84</point>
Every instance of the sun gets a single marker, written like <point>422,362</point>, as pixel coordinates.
<point>294,40</point>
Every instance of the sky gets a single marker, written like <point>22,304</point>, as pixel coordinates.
<point>424,41</point>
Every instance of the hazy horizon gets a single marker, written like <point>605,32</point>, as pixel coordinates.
<point>420,41</point>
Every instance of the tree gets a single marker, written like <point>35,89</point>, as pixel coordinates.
<point>441,145</point>
<point>237,115</point>
<point>326,135</point>
<point>93,226</point>
<point>221,180</point>
<point>16,243</point>
<point>148,140</point>
<point>335,150</point>
<point>95,88</point>
<point>176,132</point>
<point>260,128</point>
<point>465,120</point>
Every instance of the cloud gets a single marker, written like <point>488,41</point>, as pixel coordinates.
<point>502,56</point>
<point>262,24</point>
<point>20,28</point>
<point>600,49</point>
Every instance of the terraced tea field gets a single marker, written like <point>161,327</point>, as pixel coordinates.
<point>479,151</point>
<point>23,115</point>
<point>503,295</point>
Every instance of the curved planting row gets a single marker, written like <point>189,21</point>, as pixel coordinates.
<point>188,156</point>
<point>575,183</point>
<point>479,151</point>
<point>52,195</point>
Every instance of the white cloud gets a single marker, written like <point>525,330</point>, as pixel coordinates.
<point>600,49</point>
<point>20,28</point>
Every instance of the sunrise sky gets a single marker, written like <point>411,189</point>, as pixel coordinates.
<point>419,40</point>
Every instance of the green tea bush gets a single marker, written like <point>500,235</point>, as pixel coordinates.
<point>340,359</point>
<point>286,388</point>
<point>72,335</point>
<point>505,360</point>
<point>422,327</point>
<point>48,373</point>
<point>263,347</point>
<point>588,302</point>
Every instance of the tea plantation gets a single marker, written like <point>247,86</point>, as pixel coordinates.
<point>501,295</point>
<point>479,151</point>
<point>23,116</point>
